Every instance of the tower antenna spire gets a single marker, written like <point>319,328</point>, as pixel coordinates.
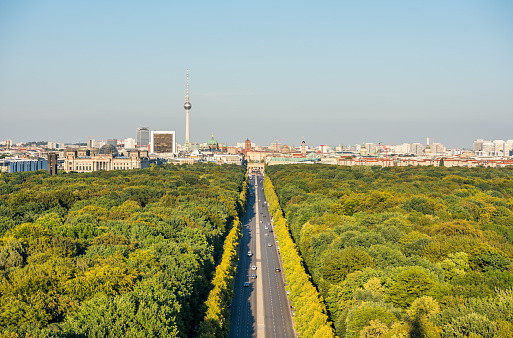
<point>187,81</point>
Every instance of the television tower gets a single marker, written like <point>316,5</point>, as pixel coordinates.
<point>187,107</point>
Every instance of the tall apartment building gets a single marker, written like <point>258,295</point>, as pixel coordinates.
<point>478,145</point>
<point>372,148</point>
<point>437,149</point>
<point>129,143</point>
<point>404,148</point>
<point>417,149</point>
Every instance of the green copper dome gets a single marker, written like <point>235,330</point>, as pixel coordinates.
<point>212,141</point>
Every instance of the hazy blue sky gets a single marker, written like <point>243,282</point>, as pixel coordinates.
<point>335,72</point>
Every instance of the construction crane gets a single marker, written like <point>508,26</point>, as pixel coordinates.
<point>276,144</point>
<point>89,140</point>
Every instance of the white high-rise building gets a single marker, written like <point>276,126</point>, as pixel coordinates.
<point>404,148</point>
<point>508,148</point>
<point>478,144</point>
<point>417,149</point>
<point>437,148</point>
<point>371,148</point>
<point>129,143</point>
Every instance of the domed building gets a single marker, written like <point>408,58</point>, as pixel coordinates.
<point>212,144</point>
<point>285,149</point>
<point>108,149</point>
<point>105,158</point>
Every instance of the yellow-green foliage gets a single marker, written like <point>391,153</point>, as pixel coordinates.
<point>404,251</point>
<point>310,319</point>
<point>215,322</point>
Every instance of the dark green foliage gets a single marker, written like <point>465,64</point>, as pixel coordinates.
<point>491,261</point>
<point>338,265</point>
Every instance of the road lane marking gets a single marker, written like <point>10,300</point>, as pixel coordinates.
<point>259,289</point>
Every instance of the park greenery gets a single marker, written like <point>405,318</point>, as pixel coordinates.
<point>118,253</point>
<point>310,319</point>
<point>399,251</point>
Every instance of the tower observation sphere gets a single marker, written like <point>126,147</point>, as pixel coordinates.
<point>187,105</point>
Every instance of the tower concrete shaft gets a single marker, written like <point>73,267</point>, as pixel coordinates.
<point>187,127</point>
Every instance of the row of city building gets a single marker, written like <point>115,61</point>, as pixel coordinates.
<point>160,146</point>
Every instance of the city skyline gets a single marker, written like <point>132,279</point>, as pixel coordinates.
<point>335,73</point>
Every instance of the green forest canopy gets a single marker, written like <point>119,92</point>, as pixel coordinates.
<point>420,251</point>
<point>110,254</point>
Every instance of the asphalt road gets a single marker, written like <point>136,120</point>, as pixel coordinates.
<point>262,308</point>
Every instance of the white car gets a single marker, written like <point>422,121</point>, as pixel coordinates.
<point>253,267</point>
<point>250,254</point>
<point>266,227</point>
<point>269,244</point>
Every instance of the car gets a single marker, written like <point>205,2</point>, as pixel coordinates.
<point>246,284</point>
<point>250,254</point>
<point>277,269</point>
<point>253,276</point>
<point>253,267</point>
<point>266,227</point>
<point>271,230</point>
<point>264,215</point>
<point>269,244</point>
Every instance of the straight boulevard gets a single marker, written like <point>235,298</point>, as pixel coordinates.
<point>260,309</point>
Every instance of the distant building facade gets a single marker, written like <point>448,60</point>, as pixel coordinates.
<point>163,142</point>
<point>21,165</point>
<point>105,158</point>
<point>493,148</point>
<point>52,163</point>
<point>143,137</point>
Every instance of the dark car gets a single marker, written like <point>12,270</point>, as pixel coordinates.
<point>246,283</point>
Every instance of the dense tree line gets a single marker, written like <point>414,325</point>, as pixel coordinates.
<point>118,253</point>
<point>311,319</point>
<point>415,251</point>
<point>215,322</point>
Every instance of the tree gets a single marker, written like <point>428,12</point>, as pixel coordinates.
<point>408,285</point>
<point>338,265</point>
